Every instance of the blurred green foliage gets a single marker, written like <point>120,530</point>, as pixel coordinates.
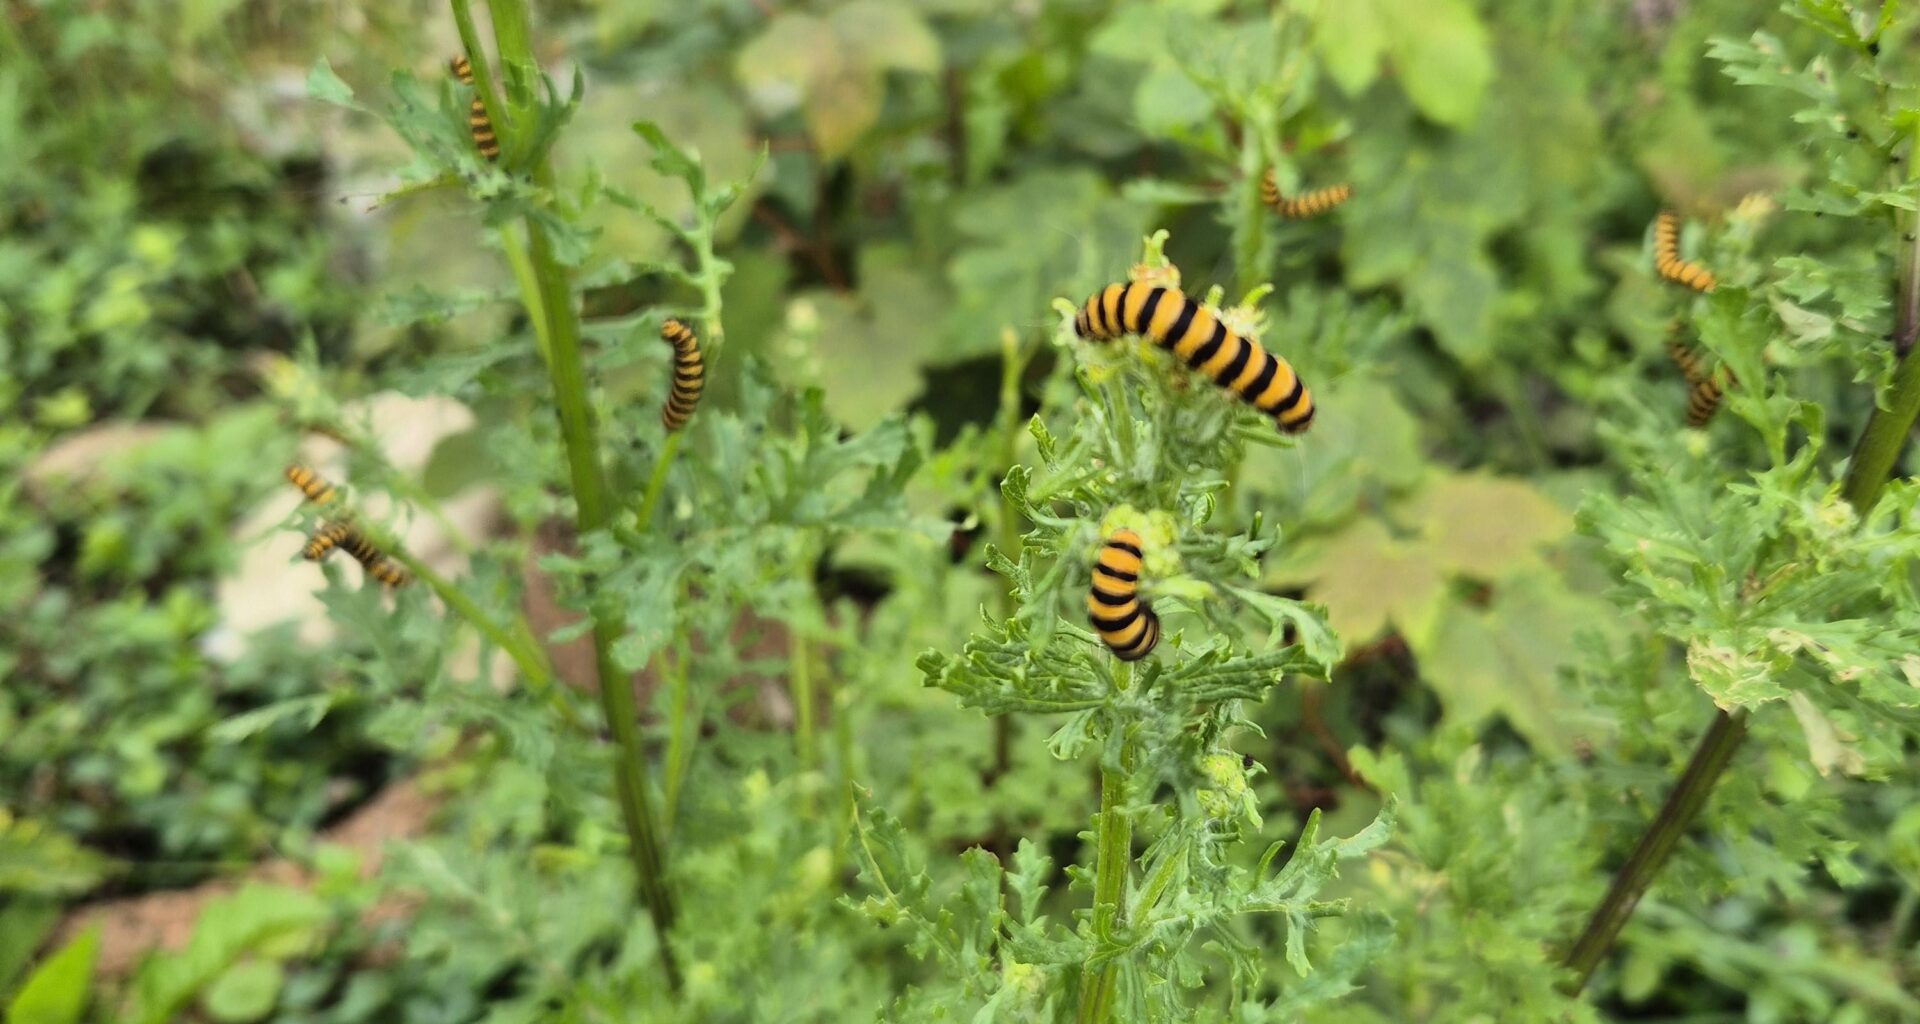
<point>1535,585</point>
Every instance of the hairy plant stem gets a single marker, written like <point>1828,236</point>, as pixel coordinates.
<point>1007,525</point>
<point>1112,857</point>
<point>1867,472</point>
<point>512,33</point>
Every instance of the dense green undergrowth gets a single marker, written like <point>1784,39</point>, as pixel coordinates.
<point>794,714</point>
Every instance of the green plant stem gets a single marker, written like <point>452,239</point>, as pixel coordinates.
<point>679,740</point>
<point>1867,472</point>
<point>616,690</point>
<point>1709,759</point>
<point>656,481</point>
<point>1007,532</point>
<point>528,658</point>
<point>843,751</point>
<point>806,746</point>
<point>512,33</point>
<point>1112,858</point>
<point>1886,433</point>
<point>529,285</point>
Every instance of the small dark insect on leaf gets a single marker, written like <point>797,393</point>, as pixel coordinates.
<point>1874,48</point>
<point>1247,761</point>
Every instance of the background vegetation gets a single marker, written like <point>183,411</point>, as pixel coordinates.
<point>1432,670</point>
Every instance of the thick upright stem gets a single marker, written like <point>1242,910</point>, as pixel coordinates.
<point>616,690</point>
<point>1115,853</point>
<point>1873,461</point>
<point>1112,858</point>
<point>551,301</point>
<point>1886,434</point>
<point>1709,759</point>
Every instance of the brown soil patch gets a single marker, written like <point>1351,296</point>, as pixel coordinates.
<point>130,927</point>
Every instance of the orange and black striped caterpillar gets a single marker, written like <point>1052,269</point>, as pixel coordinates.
<point>1305,205</point>
<point>313,485</point>
<point>1704,390</point>
<point>1197,336</point>
<point>478,124</point>
<point>689,374</point>
<point>339,531</point>
<point>1125,624</point>
<point>341,535</point>
<point>1666,256</point>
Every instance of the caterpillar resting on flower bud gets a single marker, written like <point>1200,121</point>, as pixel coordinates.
<point>1666,256</point>
<point>1305,205</point>
<point>478,123</point>
<point>1125,624</point>
<point>1196,334</point>
<point>689,374</point>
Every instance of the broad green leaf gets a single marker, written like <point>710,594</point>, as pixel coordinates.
<point>244,992</point>
<point>871,346</point>
<point>842,103</point>
<point>1506,659</point>
<point>1166,101</point>
<point>1369,579</point>
<point>886,34</point>
<point>779,66</point>
<point>1456,296</point>
<point>1443,56</point>
<point>1484,526</point>
<point>1350,39</point>
<point>56,992</point>
<point>1366,446</point>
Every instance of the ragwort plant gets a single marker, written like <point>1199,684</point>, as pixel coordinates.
<point>1150,451</point>
<point>1787,579</point>
<point>685,568</point>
